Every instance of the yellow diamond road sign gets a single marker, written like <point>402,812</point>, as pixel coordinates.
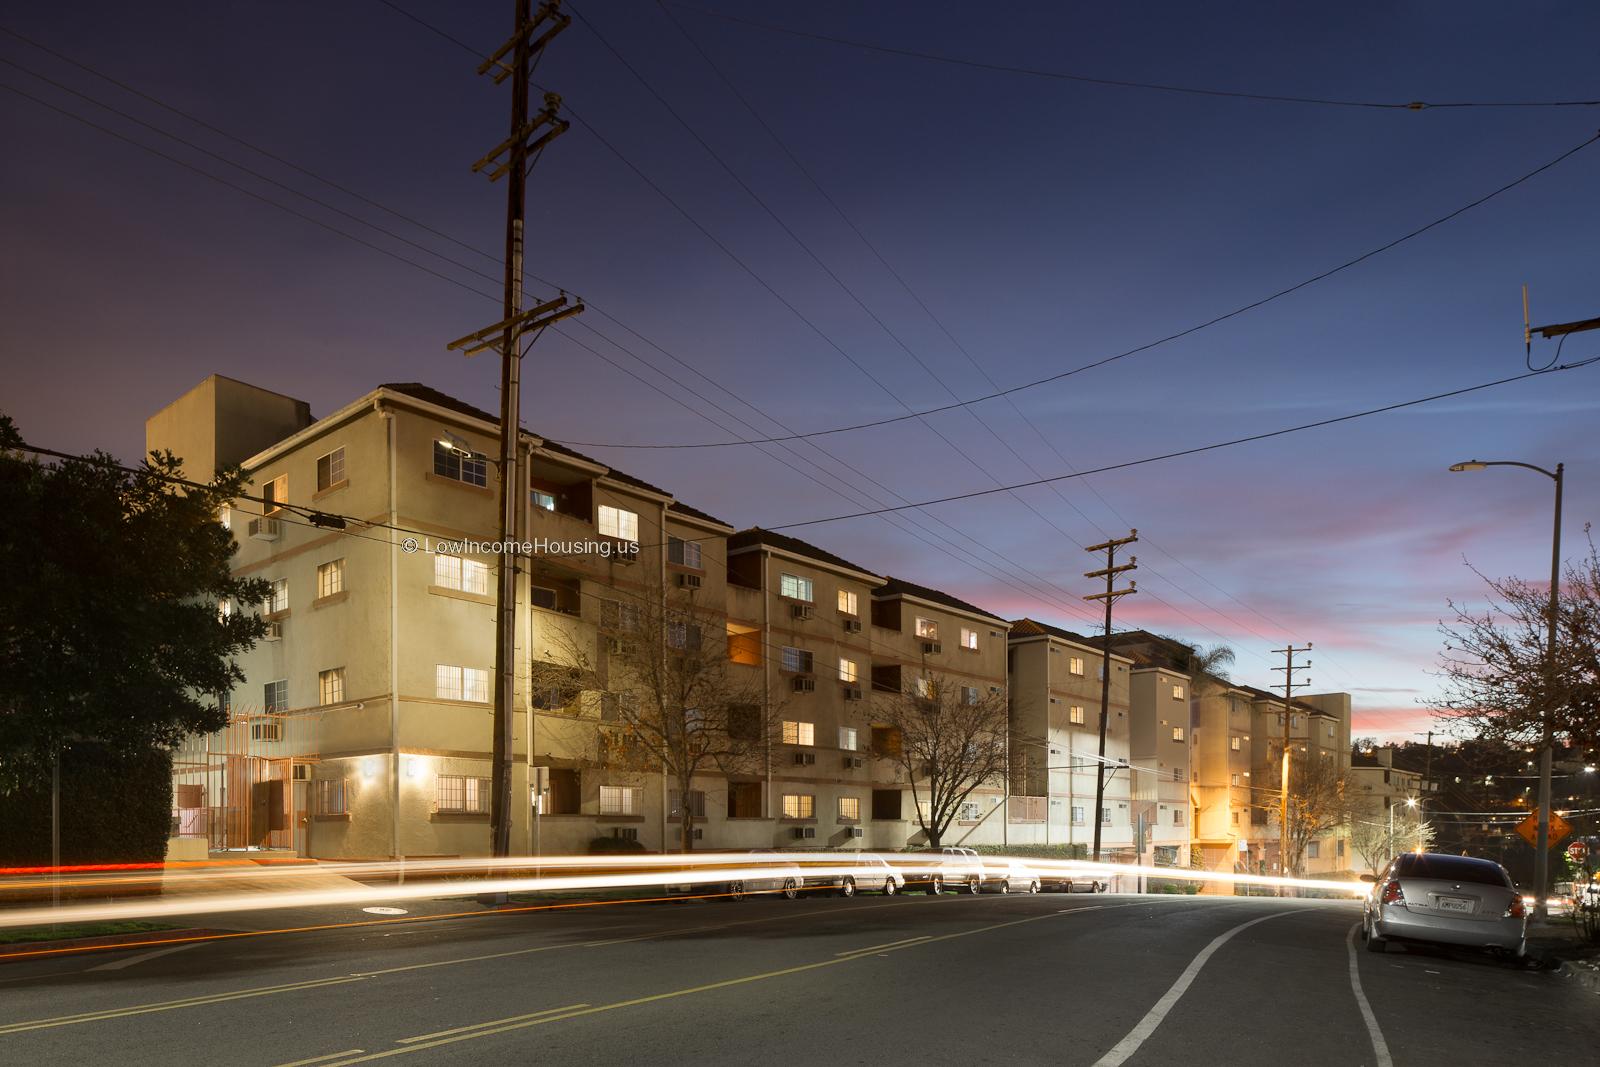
<point>1529,829</point>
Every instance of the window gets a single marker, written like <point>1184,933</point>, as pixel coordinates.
<point>927,629</point>
<point>330,686</point>
<point>848,670</point>
<point>1177,816</point>
<point>847,603</point>
<point>799,806</point>
<point>278,599</point>
<point>273,494</point>
<point>1075,666</point>
<point>267,730</point>
<point>542,500</point>
<point>1236,818</point>
<point>1233,779</point>
<point>796,660</point>
<point>1077,815</point>
<point>460,465</point>
<point>542,596</point>
<point>697,804</point>
<point>330,578</point>
<point>620,800</point>
<point>1177,733</point>
<point>970,812</point>
<point>466,575</point>
<point>924,688</point>
<point>615,615</point>
<point>849,809</point>
<point>224,610</point>
<point>886,803</point>
<point>969,695</point>
<point>847,738</point>
<point>794,587</point>
<point>1177,692</point>
<point>332,797</point>
<point>683,553</point>
<point>744,800</point>
<point>969,639</point>
<point>618,523</point>
<point>330,469</point>
<point>1105,816</point>
<point>460,795</point>
<point>1330,731</point>
<point>1177,774</point>
<point>1314,850</point>
<point>799,733</point>
<point>461,683</point>
<point>275,696</point>
<point>683,636</point>
<point>225,517</point>
<point>1338,848</point>
<point>1075,715</point>
<point>1234,743</point>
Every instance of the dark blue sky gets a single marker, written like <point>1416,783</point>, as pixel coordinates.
<point>1047,223</point>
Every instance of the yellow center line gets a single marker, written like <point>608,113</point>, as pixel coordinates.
<point>172,1005</point>
<point>874,948</point>
<point>323,1059</point>
<point>474,1026</point>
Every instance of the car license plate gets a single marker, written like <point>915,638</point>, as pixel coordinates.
<point>1461,904</point>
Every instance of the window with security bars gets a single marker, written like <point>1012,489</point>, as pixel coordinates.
<point>332,797</point>
<point>799,806</point>
<point>620,800</point>
<point>849,809</point>
<point>464,575</point>
<point>330,469</point>
<point>1234,744</point>
<point>330,686</point>
<point>330,578</point>
<point>460,465</point>
<point>462,795</point>
<point>796,660</point>
<point>697,804</point>
<point>461,683</point>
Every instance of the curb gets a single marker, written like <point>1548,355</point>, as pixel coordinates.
<point>23,950</point>
<point>1586,978</point>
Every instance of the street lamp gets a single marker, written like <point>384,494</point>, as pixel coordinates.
<point>1541,859</point>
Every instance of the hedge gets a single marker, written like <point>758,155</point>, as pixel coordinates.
<point>116,807</point>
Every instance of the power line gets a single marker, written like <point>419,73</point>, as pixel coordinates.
<point>1122,83</point>
<point>1214,446</point>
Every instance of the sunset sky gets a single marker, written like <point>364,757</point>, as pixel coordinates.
<point>1048,223</point>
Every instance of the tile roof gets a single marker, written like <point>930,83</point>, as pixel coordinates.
<point>899,587</point>
<point>755,535</point>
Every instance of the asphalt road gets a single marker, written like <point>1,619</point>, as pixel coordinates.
<point>947,980</point>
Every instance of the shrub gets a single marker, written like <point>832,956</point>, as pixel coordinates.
<point>613,844</point>
<point>116,807</point>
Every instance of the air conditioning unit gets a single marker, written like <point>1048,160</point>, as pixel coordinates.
<point>852,693</point>
<point>805,685</point>
<point>266,529</point>
<point>689,581</point>
<point>274,632</point>
<point>803,832</point>
<point>805,759</point>
<point>801,611</point>
<point>854,762</point>
<point>931,648</point>
<point>856,831</point>
<point>852,626</point>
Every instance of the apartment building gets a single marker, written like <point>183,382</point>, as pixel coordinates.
<point>1161,745</point>
<point>363,728</point>
<point>1383,793</point>
<point>1055,724</point>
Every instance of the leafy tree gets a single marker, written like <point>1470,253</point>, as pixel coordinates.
<point>110,629</point>
<point>946,739</point>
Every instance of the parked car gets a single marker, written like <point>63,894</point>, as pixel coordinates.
<point>1561,898</point>
<point>934,869</point>
<point>762,872</point>
<point>1001,874</point>
<point>863,872</point>
<point>1451,900</point>
<point>1072,882</point>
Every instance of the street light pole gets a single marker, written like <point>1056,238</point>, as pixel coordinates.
<point>1541,858</point>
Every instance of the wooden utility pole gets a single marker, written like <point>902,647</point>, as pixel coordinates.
<point>510,159</point>
<point>1289,686</point>
<point>1109,572</point>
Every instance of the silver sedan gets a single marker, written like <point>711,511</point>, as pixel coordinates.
<point>1451,900</point>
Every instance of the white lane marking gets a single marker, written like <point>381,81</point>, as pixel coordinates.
<point>1380,1047</point>
<point>117,965</point>
<point>1141,1032</point>
<point>321,1059</point>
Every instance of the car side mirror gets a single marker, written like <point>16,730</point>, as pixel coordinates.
<point>1369,878</point>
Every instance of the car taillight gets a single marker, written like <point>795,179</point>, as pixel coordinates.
<point>1517,909</point>
<point>1392,893</point>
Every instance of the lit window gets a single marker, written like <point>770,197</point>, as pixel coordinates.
<point>1076,716</point>
<point>461,683</point>
<point>330,578</point>
<point>1177,733</point>
<point>275,696</point>
<point>799,806</point>
<point>1234,743</point>
<point>969,639</point>
<point>847,738</point>
<point>278,599</point>
<point>330,686</point>
<point>1233,779</point>
<point>224,610</point>
<point>924,688</point>
<point>848,671</point>
<point>847,602</point>
<point>225,517</point>
<point>1075,666</point>
<point>461,795</point>
<point>618,523</point>
<point>683,553</point>
<point>330,469</point>
<point>274,493</point>
<point>465,575</point>
<point>799,733</point>
<point>849,809</point>
<point>542,500</point>
<point>927,628</point>
<point>794,587</point>
<point>1177,692</point>
<point>460,465</point>
<point>796,660</point>
<point>619,800</point>
<point>331,797</point>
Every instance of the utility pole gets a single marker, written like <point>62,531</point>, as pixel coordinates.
<point>1109,572</point>
<point>511,159</point>
<point>1289,686</point>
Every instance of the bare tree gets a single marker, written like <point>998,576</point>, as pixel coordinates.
<point>669,700</point>
<point>1317,804</point>
<point>1494,671</point>
<point>1377,841</point>
<point>946,738</point>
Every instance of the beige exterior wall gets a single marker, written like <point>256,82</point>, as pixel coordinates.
<point>1161,738</point>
